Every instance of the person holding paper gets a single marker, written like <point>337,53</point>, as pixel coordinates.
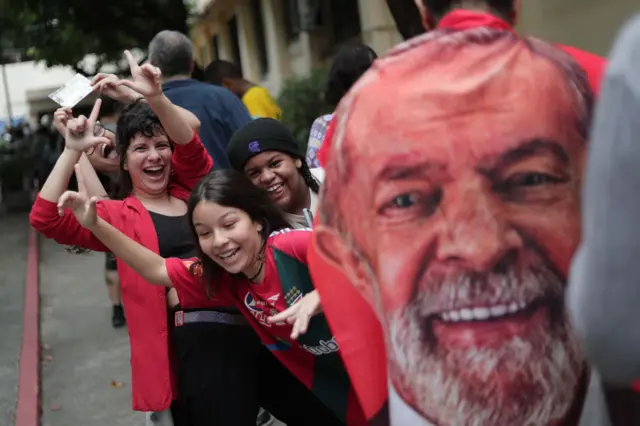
<point>266,152</point>
<point>106,161</point>
<point>161,160</point>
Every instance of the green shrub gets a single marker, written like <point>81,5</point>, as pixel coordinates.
<point>302,101</point>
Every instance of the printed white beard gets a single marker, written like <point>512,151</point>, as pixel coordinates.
<point>529,382</point>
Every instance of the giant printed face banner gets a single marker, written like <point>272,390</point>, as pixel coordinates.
<point>452,205</point>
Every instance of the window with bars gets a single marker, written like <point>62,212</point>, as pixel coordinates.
<point>235,42</point>
<point>292,22</point>
<point>345,20</point>
<point>215,48</point>
<point>261,36</point>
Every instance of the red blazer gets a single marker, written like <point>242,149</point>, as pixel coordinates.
<point>153,386</point>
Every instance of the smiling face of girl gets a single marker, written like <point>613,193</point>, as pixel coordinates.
<point>279,174</point>
<point>228,236</point>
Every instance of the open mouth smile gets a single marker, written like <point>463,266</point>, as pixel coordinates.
<point>155,172</point>
<point>228,255</point>
<point>275,189</point>
<point>488,326</point>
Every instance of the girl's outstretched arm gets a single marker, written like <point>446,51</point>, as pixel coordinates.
<point>149,265</point>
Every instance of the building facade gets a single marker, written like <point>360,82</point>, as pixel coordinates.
<point>273,40</point>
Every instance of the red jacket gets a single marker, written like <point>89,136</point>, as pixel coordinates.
<point>145,304</point>
<point>593,65</point>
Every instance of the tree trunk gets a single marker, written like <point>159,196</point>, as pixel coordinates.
<point>407,17</point>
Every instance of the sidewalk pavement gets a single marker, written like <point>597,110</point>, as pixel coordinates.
<point>14,231</point>
<point>86,376</point>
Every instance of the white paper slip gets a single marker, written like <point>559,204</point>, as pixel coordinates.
<point>72,92</point>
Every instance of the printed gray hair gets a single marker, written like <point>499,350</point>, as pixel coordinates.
<point>339,173</point>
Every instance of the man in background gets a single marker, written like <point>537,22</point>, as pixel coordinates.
<point>219,111</point>
<point>256,98</point>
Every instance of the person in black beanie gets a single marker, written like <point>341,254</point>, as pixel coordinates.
<point>266,151</point>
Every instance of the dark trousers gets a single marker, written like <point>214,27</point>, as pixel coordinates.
<point>623,406</point>
<point>217,375</point>
<point>287,399</point>
<point>225,375</point>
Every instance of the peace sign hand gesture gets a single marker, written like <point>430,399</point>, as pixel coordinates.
<point>81,132</point>
<point>145,79</point>
<point>84,208</point>
<point>299,314</point>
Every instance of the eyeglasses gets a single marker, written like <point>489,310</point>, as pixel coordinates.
<point>98,130</point>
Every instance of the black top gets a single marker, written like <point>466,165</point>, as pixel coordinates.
<point>174,236</point>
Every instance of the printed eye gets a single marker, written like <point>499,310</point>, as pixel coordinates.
<point>203,234</point>
<point>413,203</point>
<point>532,179</point>
<point>229,225</point>
<point>531,186</point>
<point>275,164</point>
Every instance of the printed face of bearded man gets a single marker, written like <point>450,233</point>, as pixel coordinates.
<point>459,223</point>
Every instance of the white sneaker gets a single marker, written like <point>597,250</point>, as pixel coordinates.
<point>264,418</point>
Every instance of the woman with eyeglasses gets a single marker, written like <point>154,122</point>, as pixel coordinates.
<point>106,162</point>
<point>161,158</point>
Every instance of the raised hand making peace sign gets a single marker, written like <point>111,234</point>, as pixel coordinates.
<point>145,79</point>
<point>299,314</point>
<point>81,132</point>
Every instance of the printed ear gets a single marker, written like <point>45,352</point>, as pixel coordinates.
<point>298,163</point>
<point>333,248</point>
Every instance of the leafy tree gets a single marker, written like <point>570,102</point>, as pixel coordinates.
<point>64,32</point>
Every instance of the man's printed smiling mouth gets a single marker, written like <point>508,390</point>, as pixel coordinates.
<point>494,312</point>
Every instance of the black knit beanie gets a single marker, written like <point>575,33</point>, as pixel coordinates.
<point>260,135</point>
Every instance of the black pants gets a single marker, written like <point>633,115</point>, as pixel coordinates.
<point>623,405</point>
<point>225,374</point>
<point>217,375</point>
<point>286,398</point>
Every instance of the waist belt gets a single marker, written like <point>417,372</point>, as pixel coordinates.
<point>182,318</point>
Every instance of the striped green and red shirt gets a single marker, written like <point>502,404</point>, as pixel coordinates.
<point>315,357</point>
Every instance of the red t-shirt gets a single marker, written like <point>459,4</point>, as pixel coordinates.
<point>314,357</point>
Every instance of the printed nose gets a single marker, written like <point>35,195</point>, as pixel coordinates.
<point>476,232</point>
